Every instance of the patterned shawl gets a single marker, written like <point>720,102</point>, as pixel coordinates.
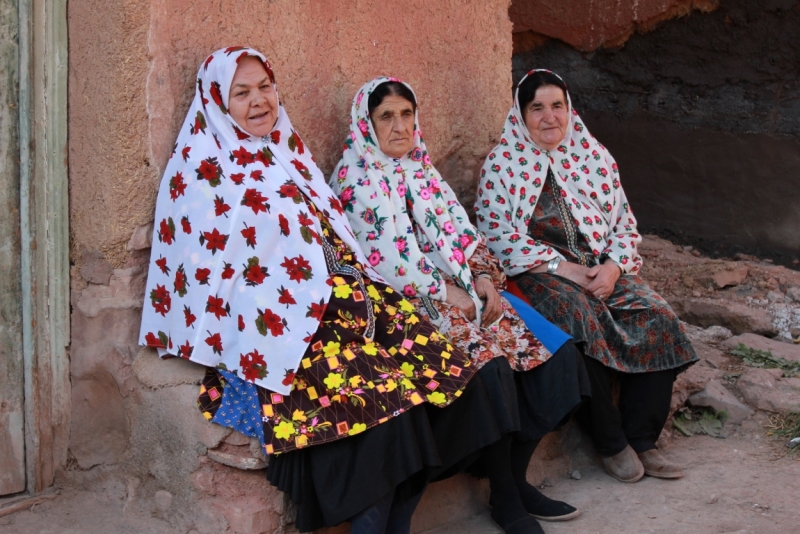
<point>381,195</point>
<point>238,278</point>
<point>511,182</point>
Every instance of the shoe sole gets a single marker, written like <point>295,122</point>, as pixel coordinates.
<point>668,476</point>
<point>555,519</point>
<point>629,480</point>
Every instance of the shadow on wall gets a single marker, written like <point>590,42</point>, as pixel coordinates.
<point>703,116</point>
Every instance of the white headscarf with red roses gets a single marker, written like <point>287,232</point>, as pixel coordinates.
<point>376,192</point>
<point>238,278</point>
<point>511,183</point>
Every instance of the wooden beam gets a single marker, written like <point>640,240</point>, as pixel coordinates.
<point>44,223</point>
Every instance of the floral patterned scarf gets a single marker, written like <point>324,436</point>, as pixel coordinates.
<point>238,277</point>
<point>381,195</point>
<point>512,179</point>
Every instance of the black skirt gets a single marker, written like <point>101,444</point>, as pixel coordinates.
<point>332,482</point>
<point>550,393</point>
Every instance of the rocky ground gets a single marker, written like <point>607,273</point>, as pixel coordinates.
<point>742,482</point>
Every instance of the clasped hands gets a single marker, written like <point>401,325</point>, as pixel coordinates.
<point>492,308</point>
<point>598,280</point>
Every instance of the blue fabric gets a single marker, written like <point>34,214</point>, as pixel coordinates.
<point>239,407</point>
<point>551,336</point>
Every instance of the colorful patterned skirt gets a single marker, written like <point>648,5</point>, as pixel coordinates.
<point>364,416</point>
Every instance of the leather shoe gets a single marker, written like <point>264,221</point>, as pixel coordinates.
<point>657,466</point>
<point>624,466</point>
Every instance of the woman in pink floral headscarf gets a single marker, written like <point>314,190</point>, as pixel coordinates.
<point>417,235</point>
<point>551,204</point>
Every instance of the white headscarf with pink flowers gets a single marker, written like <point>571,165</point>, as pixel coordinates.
<point>381,195</point>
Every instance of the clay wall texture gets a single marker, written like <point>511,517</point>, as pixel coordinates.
<point>702,114</point>
<point>132,72</point>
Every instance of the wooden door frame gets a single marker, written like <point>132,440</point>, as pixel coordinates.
<point>44,226</point>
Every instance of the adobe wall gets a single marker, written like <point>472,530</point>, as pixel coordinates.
<point>702,114</point>
<point>135,428</point>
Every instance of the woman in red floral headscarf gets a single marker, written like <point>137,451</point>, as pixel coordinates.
<point>551,203</point>
<point>256,274</point>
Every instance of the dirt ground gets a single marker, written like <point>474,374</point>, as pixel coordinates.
<point>742,484</point>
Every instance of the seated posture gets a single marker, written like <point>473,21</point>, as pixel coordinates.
<point>256,274</point>
<point>417,236</point>
<point>551,204</point>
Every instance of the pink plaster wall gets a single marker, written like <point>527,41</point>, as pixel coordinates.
<point>589,24</point>
<point>133,65</point>
<point>132,70</point>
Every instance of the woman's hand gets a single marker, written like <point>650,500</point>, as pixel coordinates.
<point>571,271</point>
<point>460,299</point>
<point>493,306</point>
<point>603,278</point>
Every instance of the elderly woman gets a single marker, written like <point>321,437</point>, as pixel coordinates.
<point>418,237</point>
<point>551,203</point>
<point>256,274</point>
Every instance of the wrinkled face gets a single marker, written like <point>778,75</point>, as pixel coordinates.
<point>547,116</point>
<point>393,121</point>
<point>253,101</point>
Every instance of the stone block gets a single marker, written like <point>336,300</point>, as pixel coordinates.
<point>245,462</point>
<point>254,517</point>
<point>691,381</point>
<point>793,293</point>
<point>730,277</point>
<point>712,334</point>
<point>788,351</point>
<point>94,268</point>
<point>142,238</point>
<point>237,439</point>
<point>738,318</point>
<point>156,373</point>
<point>99,427</point>
<point>764,389</point>
<point>716,396</point>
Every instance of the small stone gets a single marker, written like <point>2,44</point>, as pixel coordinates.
<point>712,499</point>
<point>688,248</point>
<point>716,396</point>
<point>793,293</point>
<point>163,500</point>
<point>795,332</point>
<point>781,349</point>
<point>744,257</point>
<point>237,439</point>
<point>795,262</point>
<point>142,238</point>
<point>775,296</point>
<point>247,463</point>
<point>696,294</point>
<point>576,475</point>
<point>730,277</point>
<point>696,253</point>
<point>546,483</point>
<point>95,269</point>
<point>765,390</point>
<point>773,284</point>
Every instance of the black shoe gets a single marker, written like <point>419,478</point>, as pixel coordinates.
<point>523,525</point>
<point>546,509</point>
